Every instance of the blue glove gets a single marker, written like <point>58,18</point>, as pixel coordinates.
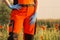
<point>33,19</point>
<point>17,6</point>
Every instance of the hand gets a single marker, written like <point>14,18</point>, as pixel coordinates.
<point>33,19</point>
<point>17,6</point>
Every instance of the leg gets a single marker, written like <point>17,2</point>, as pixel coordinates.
<point>29,30</point>
<point>15,27</point>
<point>11,26</point>
<point>18,16</point>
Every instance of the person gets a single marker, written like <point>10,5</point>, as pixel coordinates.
<point>23,15</point>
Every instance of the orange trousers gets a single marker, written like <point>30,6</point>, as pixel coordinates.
<point>21,19</point>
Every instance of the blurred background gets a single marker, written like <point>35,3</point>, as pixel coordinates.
<point>48,9</point>
<point>48,20</point>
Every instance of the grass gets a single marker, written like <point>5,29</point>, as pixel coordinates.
<point>48,34</point>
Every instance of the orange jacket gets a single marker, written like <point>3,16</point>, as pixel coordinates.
<point>24,1</point>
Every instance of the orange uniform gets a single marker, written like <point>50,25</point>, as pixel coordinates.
<point>21,18</point>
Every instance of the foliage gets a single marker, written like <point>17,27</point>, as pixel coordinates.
<point>48,34</point>
<point>4,13</point>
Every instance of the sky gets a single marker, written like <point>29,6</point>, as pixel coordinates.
<point>48,9</point>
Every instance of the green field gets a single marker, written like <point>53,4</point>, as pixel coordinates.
<point>49,33</point>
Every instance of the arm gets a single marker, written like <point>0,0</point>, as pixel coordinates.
<point>7,2</point>
<point>17,6</point>
<point>34,16</point>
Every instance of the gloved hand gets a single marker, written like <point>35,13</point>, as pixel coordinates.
<point>33,19</point>
<point>17,6</point>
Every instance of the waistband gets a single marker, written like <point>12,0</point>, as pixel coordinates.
<point>26,5</point>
